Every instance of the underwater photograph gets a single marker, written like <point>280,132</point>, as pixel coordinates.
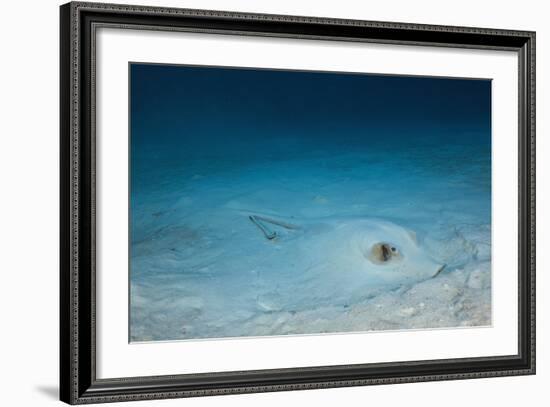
<point>270,202</point>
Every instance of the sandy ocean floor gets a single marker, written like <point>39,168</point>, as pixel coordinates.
<point>201,269</point>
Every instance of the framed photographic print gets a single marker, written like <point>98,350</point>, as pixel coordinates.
<point>256,203</point>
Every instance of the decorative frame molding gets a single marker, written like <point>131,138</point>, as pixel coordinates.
<point>78,382</point>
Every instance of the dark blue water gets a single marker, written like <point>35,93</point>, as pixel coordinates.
<point>331,153</point>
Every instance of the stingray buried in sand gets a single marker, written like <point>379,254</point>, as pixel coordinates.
<point>354,258</point>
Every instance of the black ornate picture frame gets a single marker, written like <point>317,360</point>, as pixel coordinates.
<point>78,381</point>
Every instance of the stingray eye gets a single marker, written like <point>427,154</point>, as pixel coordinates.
<point>382,253</point>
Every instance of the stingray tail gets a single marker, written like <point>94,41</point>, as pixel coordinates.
<point>260,222</point>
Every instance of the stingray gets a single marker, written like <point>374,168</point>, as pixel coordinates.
<point>338,260</point>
